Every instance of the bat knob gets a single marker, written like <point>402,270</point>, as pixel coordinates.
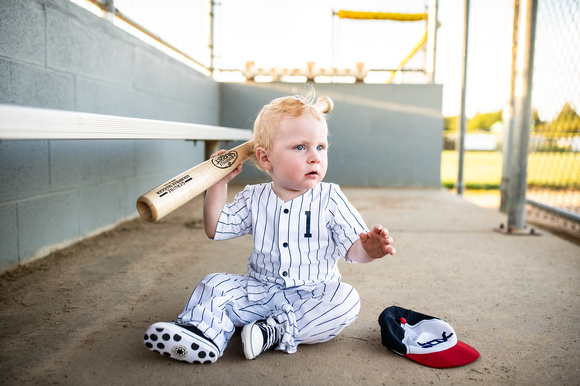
<point>145,210</point>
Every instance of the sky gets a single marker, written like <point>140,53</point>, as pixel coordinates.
<point>290,33</point>
<point>489,55</point>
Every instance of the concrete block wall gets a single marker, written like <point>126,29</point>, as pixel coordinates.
<point>53,54</point>
<point>380,135</point>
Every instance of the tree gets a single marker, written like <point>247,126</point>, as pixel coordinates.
<point>481,121</point>
<point>567,121</point>
<point>566,124</point>
<point>484,121</point>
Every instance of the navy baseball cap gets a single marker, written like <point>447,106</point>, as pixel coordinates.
<point>424,339</point>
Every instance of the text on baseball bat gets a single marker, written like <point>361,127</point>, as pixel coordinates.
<point>173,185</point>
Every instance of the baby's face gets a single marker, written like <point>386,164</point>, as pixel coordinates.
<point>298,157</point>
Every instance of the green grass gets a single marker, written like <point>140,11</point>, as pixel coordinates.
<point>482,169</point>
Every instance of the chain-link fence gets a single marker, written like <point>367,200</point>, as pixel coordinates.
<point>554,152</point>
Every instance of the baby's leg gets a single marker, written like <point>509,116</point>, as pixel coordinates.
<point>317,316</point>
<point>217,306</point>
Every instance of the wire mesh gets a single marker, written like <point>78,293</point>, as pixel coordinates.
<point>554,152</point>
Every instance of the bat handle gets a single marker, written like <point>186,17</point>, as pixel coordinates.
<point>172,194</point>
<point>146,209</point>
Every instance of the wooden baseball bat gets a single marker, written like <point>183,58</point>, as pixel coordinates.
<point>172,194</point>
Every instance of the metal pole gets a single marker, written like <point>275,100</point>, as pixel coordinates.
<point>109,9</point>
<point>461,120</point>
<point>432,25</point>
<point>508,115</point>
<point>522,119</point>
<point>211,35</point>
<point>332,40</point>
<point>109,6</point>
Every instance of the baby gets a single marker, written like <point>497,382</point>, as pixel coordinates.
<point>301,227</point>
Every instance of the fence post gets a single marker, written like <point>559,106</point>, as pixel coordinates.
<point>108,7</point>
<point>211,36</point>
<point>508,114</point>
<point>432,24</point>
<point>520,138</point>
<point>461,120</point>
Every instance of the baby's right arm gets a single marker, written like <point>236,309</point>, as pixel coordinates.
<point>215,200</point>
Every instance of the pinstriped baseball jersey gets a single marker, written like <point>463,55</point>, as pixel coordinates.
<point>298,242</point>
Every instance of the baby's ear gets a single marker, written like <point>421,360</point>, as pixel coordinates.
<point>262,158</point>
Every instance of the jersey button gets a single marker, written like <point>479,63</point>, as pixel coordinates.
<point>286,211</point>
<point>285,245</point>
<point>284,273</point>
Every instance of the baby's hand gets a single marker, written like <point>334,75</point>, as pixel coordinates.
<point>232,174</point>
<point>377,242</point>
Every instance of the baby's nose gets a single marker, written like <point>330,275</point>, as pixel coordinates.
<point>313,157</point>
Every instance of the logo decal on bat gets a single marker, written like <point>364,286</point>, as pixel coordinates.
<point>225,160</point>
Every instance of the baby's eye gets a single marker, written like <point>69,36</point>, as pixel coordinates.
<point>319,147</point>
<point>300,147</point>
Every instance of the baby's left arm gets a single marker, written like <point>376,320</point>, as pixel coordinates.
<point>372,245</point>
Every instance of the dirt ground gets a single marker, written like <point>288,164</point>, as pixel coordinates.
<point>78,316</point>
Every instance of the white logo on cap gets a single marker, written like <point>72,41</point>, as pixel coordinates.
<point>437,334</point>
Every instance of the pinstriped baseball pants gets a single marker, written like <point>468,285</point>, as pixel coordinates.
<point>220,303</point>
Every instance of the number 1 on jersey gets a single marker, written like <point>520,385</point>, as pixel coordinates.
<point>307,234</point>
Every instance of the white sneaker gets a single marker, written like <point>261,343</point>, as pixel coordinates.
<point>259,336</point>
<point>183,342</point>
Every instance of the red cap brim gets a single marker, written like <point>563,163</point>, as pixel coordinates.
<point>458,355</point>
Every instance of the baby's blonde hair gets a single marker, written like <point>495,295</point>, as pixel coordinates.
<point>268,120</point>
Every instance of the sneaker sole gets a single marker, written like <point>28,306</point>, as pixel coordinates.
<point>247,341</point>
<point>175,342</point>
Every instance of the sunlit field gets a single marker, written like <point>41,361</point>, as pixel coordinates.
<point>483,169</point>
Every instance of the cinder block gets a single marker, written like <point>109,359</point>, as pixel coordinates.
<point>137,104</point>
<point>183,154</point>
<point>22,31</point>
<point>117,159</point>
<point>88,46</point>
<point>73,163</point>
<point>160,74</point>
<point>203,92</point>
<point>99,97</point>
<point>36,87</point>
<point>8,236</point>
<point>47,222</point>
<point>99,206</point>
<point>166,157</point>
<point>149,157</point>
<point>4,81</point>
<point>24,170</point>
<point>133,188</point>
